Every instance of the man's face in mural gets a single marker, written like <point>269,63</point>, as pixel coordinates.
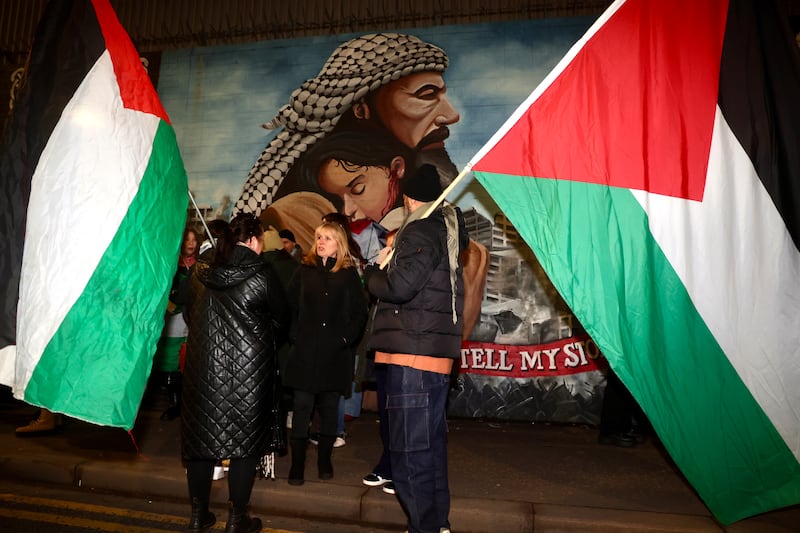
<point>415,109</point>
<point>365,190</point>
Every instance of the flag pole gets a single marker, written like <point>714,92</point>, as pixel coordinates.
<point>447,190</point>
<point>202,220</point>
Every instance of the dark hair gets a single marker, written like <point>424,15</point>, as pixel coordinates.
<point>338,218</point>
<point>243,227</point>
<point>287,234</point>
<point>362,146</point>
<point>189,229</point>
<point>212,232</point>
<point>217,227</point>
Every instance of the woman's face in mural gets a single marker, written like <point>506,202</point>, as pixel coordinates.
<point>416,110</point>
<point>365,190</point>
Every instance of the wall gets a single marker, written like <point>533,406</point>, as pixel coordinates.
<point>528,358</point>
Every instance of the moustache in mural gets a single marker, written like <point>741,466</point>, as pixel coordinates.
<point>430,149</point>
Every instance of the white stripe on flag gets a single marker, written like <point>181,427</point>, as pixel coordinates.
<point>86,178</point>
<point>741,269</point>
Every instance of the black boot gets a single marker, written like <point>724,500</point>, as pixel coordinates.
<point>173,383</point>
<point>202,519</point>
<point>239,521</point>
<point>297,471</point>
<point>324,450</point>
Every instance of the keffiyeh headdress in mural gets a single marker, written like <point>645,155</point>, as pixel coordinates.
<point>355,68</point>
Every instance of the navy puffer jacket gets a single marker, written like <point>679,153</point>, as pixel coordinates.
<point>415,311</point>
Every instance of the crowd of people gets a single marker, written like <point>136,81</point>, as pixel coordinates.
<point>339,251</point>
<point>246,318</point>
<point>269,312</point>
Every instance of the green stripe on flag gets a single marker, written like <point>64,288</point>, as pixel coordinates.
<point>111,332</point>
<point>594,243</point>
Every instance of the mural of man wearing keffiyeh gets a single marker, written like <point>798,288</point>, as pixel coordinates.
<point>376,111</point>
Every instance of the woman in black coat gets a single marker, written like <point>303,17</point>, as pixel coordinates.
<point>236,309</point>
<point>328,315</point>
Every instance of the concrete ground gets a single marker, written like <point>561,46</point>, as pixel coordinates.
<point>504,477</point>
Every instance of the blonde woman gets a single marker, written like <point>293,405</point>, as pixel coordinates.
<point>329,311</point>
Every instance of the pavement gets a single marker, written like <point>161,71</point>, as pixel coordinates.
<point>504,476</point>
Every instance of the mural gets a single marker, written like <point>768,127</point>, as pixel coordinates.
<point>342,139</point>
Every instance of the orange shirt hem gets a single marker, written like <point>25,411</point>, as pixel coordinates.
<point>426,363</point>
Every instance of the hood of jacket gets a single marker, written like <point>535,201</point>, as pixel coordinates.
<point>243,264</point>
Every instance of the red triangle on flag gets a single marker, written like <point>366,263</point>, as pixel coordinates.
<point>634,108</point>
<point>135,88</point>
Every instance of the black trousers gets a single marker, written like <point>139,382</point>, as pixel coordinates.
<point>241,475</point>
<point>328,405</point>
<point>620,408</point>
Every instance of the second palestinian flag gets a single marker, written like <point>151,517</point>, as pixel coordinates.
<point>656,175</point>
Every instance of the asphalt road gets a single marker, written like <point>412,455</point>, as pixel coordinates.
<point>28,508</point>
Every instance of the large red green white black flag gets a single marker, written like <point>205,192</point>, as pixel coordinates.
<point>656,175</point>
<point>93,203</point>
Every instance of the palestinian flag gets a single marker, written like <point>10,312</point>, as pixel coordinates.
<point>94,202</point>
<point>655,173</point>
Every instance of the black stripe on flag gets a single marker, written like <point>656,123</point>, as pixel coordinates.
<point>759,95</point>
<point>67,44</point>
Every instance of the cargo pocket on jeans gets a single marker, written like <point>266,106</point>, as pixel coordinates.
<point>408,422</point>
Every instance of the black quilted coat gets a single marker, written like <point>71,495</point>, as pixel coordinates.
<point>329,310</point>
<point>415,311</point>
<point>235,312</point>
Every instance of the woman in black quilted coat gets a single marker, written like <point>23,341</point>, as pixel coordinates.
<point>329,310</point>
<point>236,308</point>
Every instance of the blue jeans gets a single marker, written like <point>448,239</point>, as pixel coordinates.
<point>349,406</point>
<point>415,405</point>
<point>384,466</point>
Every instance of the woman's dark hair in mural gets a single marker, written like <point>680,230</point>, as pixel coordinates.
<point>357,149</point>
